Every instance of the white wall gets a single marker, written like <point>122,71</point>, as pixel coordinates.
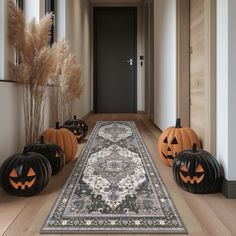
<point>164,63</point>
<point>11,125</point>
<point>78,26</point>
<point>12,121</point>
<point>12,139</point>
<point>140,52</point>
<point>226,86</point>
<point>74,25</point>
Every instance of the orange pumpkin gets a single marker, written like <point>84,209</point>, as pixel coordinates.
<point>174,140</point>
<point>64,139</point>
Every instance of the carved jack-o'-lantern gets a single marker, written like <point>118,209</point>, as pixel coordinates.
<point>51,151</point>
<point>76,130</point>
<point>25,174</point>
<point>196,171</point>
<point>78,123</point>
<point>174,140</point>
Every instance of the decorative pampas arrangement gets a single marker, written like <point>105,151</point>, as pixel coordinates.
<point>71,85</point>
<point>39,66</point>
<point>67,84</point>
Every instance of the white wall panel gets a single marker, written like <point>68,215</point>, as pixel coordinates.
<point>164,63</point>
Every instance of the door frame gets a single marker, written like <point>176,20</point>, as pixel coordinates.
<point>149,55</point>
<point>140,80</point>
<point>95,8</point>
<point>183,72</point>
<point>183,59</point>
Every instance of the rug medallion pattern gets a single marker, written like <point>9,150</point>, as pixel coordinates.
<point>114,187</point>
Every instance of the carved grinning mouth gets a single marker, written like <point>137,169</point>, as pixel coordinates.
<point>191,180</point>
<point>167,156</point>
<point>20,185</point>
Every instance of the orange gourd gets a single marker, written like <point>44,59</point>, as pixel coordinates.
<point>174,140</point>
<point>64,139</point>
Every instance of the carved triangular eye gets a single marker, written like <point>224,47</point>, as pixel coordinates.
<point>199,168</point>
<point>184,168</point>
<point>31,172</point>
<point>174,141</point>
<point>165,140</point>
<point>13,173</point>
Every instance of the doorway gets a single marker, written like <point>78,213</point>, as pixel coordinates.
<point>115,56</point>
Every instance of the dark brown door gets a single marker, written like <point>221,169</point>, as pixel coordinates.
<point>115,36</point>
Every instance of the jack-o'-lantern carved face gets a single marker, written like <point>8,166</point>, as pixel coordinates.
<point>191,174</point>
<point>25,174</point>
<point>172,147</point>
<point>197,171</point>
<point>78,123</point>
<point>174,140</point>
<point>22,180</point>
<point>78,132</point>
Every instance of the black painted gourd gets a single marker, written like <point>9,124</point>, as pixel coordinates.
<point>79,123</point>
<point>51,151</point>
<point>25,174</point>
<point>196,171</point>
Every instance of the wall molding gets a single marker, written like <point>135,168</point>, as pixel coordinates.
<point>228,188</point>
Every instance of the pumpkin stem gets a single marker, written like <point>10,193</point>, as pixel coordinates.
<point>74,117</point>
<point>57,125</point>
<point>42,139</point>
<point>194,148</point>
<point>178,123</point>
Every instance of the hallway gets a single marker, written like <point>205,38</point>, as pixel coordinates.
<point>183,67</point>
<point>203,215</point>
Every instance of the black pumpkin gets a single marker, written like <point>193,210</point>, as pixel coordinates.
<point>196,171</point>
<point>25,174</point>
<point>79,123</point>
<point>76,130</point>
<point>52,152</point>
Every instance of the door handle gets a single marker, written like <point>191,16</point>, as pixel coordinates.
<point>130,61</point>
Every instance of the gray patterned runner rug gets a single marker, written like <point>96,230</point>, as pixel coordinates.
<point>114,188</point>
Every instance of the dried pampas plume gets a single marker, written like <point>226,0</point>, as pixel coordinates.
<point>16,26</point>
<point>44,32</point>
<point>71,87</point>
<point>40,65</point>
<point>61,51</point>
<point>71,84</point>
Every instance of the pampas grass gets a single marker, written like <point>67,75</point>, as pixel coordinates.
<point>71,85</point>
<point>39,66</point>
<point>68,86</point>
<point>16,26</point>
